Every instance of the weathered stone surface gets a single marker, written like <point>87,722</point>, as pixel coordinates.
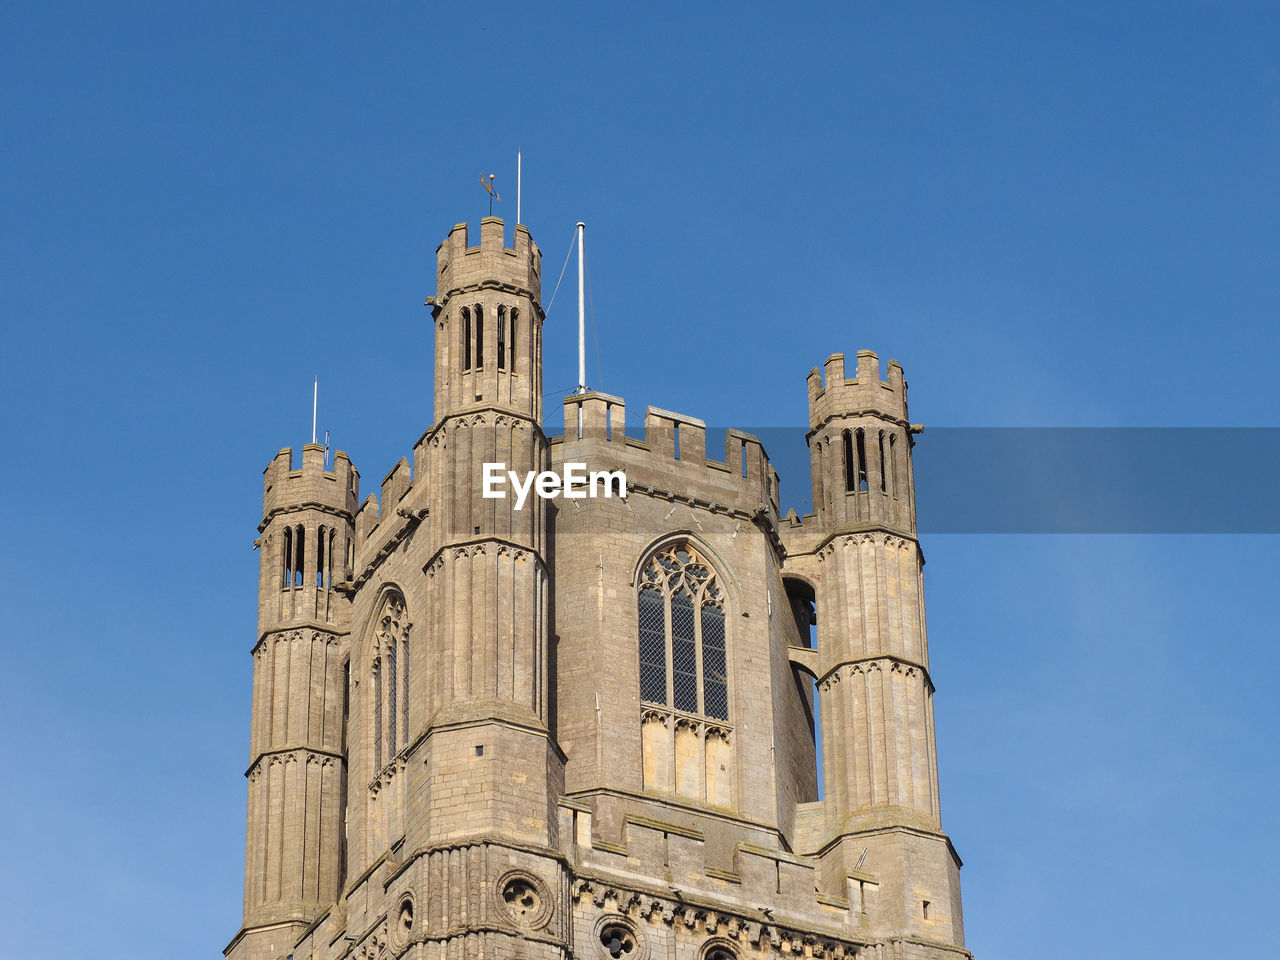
<point>583,728</point>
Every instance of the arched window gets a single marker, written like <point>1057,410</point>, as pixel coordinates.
<point>288,557</point>
<point>511,351</point>
<point>479,336</point>
<point>884,468</point>
<point>502,338</point>
<point>299,555</point>
<point>860,438</point>
<point>320,545</point>
<point>850,484</point>
<point>682,635</point>
<point>893,460</point>
<point>390,681</point>
<point>466,339</point>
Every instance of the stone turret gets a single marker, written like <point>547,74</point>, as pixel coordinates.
<point>880,813</point>
<point>297,767</point>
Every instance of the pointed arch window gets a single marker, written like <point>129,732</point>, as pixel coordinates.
<point>390,681</point>
<point>502,338</point>
<point>683,658</point>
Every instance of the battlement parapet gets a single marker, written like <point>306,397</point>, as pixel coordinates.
<point>461,267</point>
<point>832,394</point>
<point>671,441</point>
<point>283,486</point>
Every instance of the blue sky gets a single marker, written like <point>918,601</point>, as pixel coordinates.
<point>1051,214</point>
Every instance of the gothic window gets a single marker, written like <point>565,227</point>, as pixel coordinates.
<point>466,339</point>
<point>861,440</point>
<point>288,557</point>
<point>390,681</point>
<point>299,555</point>
<point>502,338</point>
<point>884,472</point>
<point>320,543</point>
<point>683,661</point>
<point>479,337</point>
<point>511,350</point>
<point>850,481</point>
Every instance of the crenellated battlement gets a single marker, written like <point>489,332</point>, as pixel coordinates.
<point>671,441</point>
<point>832,394</point>
<point>462,267</point>
<point>284,487</point>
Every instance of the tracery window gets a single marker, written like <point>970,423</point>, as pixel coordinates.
<point>682,634</point>
<point>390,681</point>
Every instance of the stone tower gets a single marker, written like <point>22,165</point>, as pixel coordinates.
<point>297,769</point>
<point>588,727</point>
<point>871,662</point>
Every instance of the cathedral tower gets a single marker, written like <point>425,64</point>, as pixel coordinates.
<point>583,728</point>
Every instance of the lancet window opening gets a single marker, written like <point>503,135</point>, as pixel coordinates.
<point>682,643</point>
<point>287,557</point>
<point>466,338</point>
<point>884,468</point>
<point>850,482</point>
<point>860,439</point>
<point>511,349</point>
<point>299,555</point>
<point>320,557</point>
<point>502,338</point>
<point>479,351</point>
<point>893,461</point>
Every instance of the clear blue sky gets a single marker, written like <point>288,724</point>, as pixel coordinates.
<point>1052,214</point>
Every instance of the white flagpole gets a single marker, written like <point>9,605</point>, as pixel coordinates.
<point>315,396</point>
<point>582,313</point>
<point>518,171</point>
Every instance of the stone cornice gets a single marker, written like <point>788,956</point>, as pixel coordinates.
<point>891,658</point>
<point>305,505</point>
<point>292,754</point>
<point>330,632</point>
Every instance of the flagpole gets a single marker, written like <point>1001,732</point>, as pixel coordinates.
<point>582,313</point>
<point>518,172</point>
<point>315,396</point>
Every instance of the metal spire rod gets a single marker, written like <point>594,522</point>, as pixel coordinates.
<point>582,313</point>
<point>315,397</point>
<point>518,172</point>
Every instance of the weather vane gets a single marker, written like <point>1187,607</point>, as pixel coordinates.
<point>488,186</point>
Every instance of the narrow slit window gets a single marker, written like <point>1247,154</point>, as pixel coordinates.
<point>893,461</point>
<point>861,440</point>
<point>320,558</point>
<point>511,354</point>
<point>466,339</point>
<point>288,556</point>
<point>884,469</point>
<point>299,555</point>
<point>479,337</point>
<point>850,483</point>
<point>502,338</point>
<point>744,458</point>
